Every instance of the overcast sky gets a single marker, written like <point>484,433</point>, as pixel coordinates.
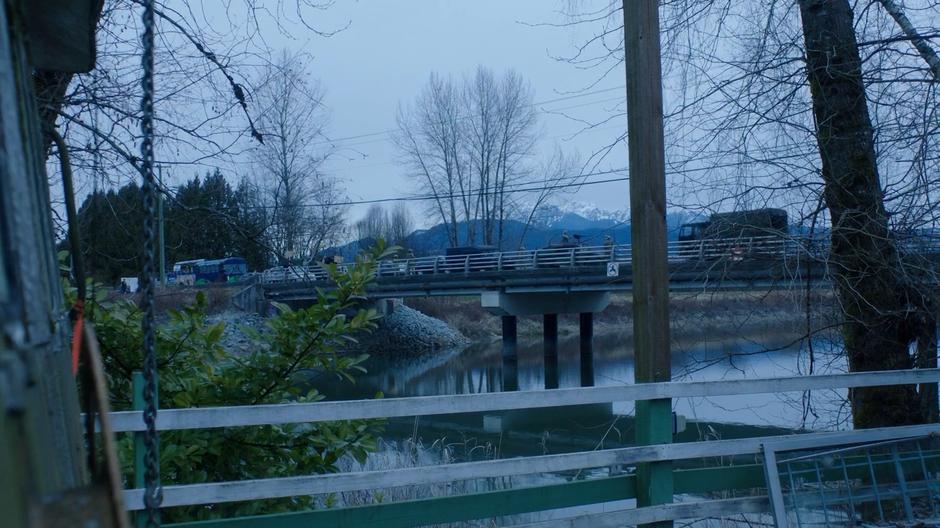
<point>388,51</point>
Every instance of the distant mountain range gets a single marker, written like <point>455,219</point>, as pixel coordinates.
<point>591,223</point>
<point>579,215</point>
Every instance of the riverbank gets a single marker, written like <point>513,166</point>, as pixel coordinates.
<point>716,315</point>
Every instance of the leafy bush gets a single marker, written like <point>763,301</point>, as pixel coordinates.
<point>196,371</point>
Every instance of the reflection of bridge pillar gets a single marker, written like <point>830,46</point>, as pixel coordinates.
<point>510,360</point>
<point>550,347</point>
<point>587,349</point>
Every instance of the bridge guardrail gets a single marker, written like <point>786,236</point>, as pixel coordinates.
<point>766,247</point>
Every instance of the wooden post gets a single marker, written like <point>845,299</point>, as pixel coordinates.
<point>648,228</point>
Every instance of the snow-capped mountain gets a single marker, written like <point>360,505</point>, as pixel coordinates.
<point>578,215</point>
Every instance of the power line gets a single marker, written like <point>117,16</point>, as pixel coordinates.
<point>552,111</point>
<point>471,192</point>
<point>538,103</point>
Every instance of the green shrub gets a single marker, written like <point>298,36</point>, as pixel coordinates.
<point>196,371</point>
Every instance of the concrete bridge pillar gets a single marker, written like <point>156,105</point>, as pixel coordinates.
<point>587,348</point>
<point>510,359</point>
<point>550,349</point>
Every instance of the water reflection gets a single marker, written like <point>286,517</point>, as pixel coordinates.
<point>481,368</point>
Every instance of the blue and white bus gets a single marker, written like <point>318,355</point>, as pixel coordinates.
<point>184,272</point>
<point>205,271</point>
<point>228,269</point>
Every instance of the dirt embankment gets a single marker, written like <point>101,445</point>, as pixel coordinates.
<point>218,297</point>
<point>714,314</point>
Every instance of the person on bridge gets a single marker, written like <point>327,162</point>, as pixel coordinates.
<point>565,237</point>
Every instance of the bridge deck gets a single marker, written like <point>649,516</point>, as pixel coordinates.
<point>730,264</point>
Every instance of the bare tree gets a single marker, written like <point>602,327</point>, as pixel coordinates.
<point>305,215</point>
<point>400,225</point>
<point>204,58</point>
<point>470,146</point>
<point>431,140</point>
<point>374,225</point>
<point>391,226</point>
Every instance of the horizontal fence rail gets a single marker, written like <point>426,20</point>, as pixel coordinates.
<point>618,518</point>
<point>212,493</point>
<point>239,416</point>
<point>259,489</point>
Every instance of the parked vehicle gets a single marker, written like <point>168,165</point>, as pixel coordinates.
<point>737,224</point>
<point>204,271</point>
<point>185,272</point>
<point>228,269</point>
<point>738,233</point>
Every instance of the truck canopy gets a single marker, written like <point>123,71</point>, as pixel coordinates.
<point>752,223</point>
<point>737,224</point>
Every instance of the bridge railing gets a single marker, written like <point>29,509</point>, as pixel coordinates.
<point>738,249</point>
<point>763,247</point>
<point>692,483</point>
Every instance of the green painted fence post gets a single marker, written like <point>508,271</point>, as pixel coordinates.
<point>140,517</point>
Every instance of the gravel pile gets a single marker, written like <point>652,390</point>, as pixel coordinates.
<point>234,339</point>
<point>409,333</point>
<point>403,333</point>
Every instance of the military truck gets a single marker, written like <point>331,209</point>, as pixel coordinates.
<point>737,225</point>
<point>755,233</point>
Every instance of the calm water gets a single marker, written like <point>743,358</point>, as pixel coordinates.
<point>479,368</point>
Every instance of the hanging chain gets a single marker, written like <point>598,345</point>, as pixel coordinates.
<point>153,494</point>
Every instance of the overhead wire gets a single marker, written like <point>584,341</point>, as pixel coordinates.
<point>513,188</point>
<point>388,131</point>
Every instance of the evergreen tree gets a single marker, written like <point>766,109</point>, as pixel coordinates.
<point>205,218</point>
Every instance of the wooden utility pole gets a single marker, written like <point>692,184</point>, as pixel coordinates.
<point>648,227</point>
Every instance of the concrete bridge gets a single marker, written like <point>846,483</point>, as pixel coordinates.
<point>554,281</point>
<point>577,279</point>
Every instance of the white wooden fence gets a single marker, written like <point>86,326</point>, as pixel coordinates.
<point>207,418</point>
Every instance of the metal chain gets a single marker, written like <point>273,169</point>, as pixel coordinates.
<point>153,494</point>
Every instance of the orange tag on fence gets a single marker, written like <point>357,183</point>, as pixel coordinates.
<point>77,333</point>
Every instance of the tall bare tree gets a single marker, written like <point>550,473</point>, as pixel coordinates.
<point>400,225</point>
<point>205,57</point>
<point>392,226</point>
<point>305,215</point>
<point>431,139</point>
<point>470,146</point>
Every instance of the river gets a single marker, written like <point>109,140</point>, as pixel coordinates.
<point>479,368</point>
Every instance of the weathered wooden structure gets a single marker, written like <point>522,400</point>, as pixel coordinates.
<point>42,465</point>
